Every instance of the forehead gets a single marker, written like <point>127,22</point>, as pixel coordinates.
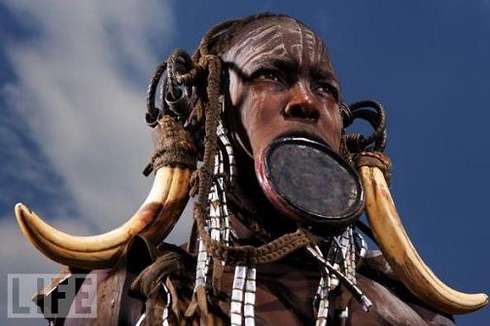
<point>277,38</point>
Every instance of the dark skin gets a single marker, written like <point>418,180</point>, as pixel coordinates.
<point>278,93</point>
<point>275,93</point>
<point>278,85</point>
<point>281,82</point>
<point>284,85</point>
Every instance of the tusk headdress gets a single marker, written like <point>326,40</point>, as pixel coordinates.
<point>154,219</point>
<point>398,249</point>
<point>374,168</point>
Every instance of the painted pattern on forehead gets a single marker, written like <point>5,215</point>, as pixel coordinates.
<point>280,39</point>
<point>259,43</point>
<point>308,46</point>
<point>296,45</point>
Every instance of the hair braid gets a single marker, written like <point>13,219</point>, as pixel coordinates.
<point>205,75</point>
<point>214,43</point>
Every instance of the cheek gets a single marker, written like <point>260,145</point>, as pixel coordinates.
<point>262,108</point>
<point>257,119</point>
<point>251,115</point>
<point>234,88</point>
<point>332,129</point>
<point>339,127</point>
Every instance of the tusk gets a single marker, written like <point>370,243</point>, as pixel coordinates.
<point>154,219</point>
<point>402,256</point>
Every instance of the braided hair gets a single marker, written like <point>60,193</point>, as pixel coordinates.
<point>192,94</point>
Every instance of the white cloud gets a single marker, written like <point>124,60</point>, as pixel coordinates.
<point>76,93</point>
<point>80,88</point>
<point>18,256</point>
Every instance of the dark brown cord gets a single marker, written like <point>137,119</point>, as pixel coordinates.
<point>206,76</point>
<point>375,159</point>
<point>247,255</point>
<point>179,63</point>
<point>152,114</point>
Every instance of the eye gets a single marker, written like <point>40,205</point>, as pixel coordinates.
<point>268,75</point>
<point>328,89</point>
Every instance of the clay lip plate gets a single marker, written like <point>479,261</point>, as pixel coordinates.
<point>309,182</point>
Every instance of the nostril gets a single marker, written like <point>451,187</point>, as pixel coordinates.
<point>296,111</point>
<point>301,112</point>
<point>314,115</point>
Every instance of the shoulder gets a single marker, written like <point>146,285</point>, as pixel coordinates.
<point>393,304</point>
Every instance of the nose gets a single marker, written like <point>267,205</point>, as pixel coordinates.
<point>302,105</point>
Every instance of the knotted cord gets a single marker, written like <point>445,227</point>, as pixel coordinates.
<point>204,76</point>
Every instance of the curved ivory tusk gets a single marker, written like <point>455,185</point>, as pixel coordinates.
<point>402,256</point>
<point>154,219</point>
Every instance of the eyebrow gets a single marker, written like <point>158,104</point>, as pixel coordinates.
<point>274,63</point>
<point>324,74</point>
<point>288,65</point>
<point>283,64</point>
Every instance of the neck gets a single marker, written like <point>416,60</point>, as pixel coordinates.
<point>250,205</point>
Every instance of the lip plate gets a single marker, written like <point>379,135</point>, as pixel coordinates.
<point>294,208</point>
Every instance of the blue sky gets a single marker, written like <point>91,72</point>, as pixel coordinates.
<point>73,142</point>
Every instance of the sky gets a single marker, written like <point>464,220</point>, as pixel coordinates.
<point>73,142</point>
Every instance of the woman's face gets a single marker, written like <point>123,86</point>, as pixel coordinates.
<point>282,82</point>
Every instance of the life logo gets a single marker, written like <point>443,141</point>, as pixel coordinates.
<point>75,296</point>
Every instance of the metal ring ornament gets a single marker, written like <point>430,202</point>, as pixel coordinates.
<point>376,141</point>
<point>175,96</point>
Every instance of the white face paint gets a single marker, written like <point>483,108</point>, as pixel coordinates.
<point>281,80</point>
<point>277,38</point>
<point>281,83</point>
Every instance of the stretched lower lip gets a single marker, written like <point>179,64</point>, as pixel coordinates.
<point>309,182</point>
<point>303,134</point>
